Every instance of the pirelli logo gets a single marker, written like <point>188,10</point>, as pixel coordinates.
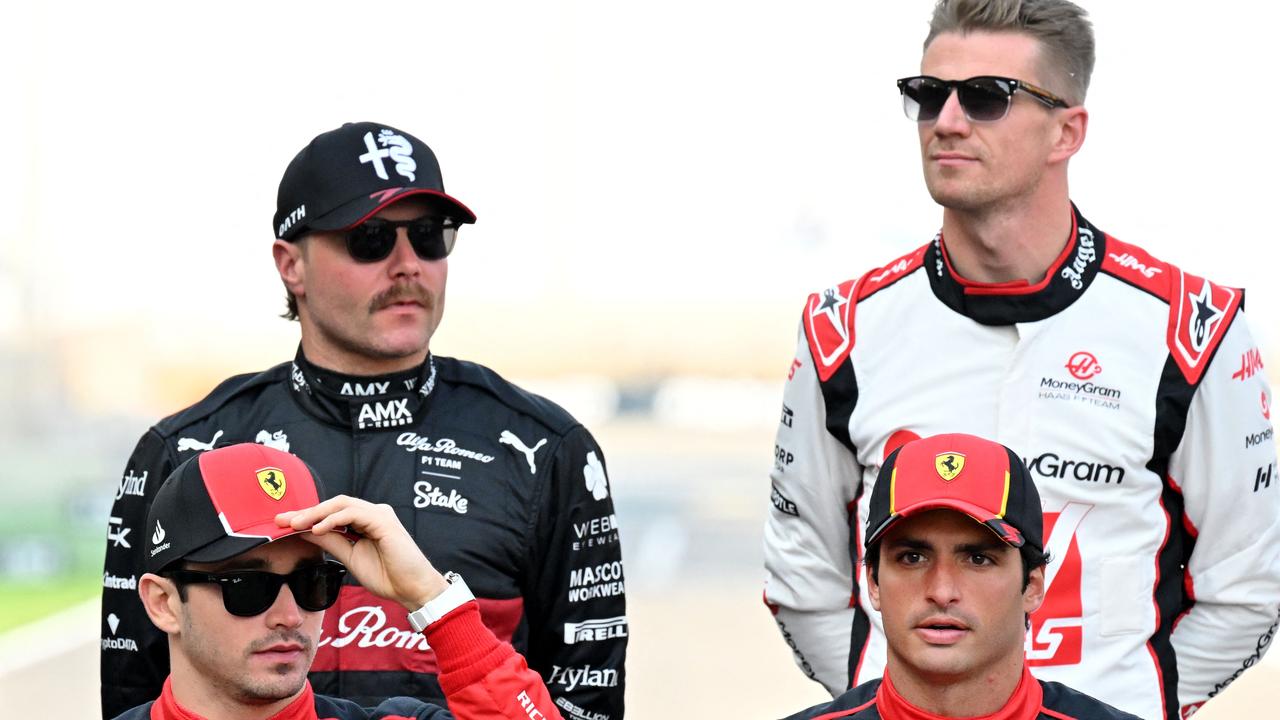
<point>595,630</point>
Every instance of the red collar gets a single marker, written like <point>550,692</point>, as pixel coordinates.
<point>166,706</point>
<point>1024,704</point>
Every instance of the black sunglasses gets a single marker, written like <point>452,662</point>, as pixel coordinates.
<point>250,592</point>
<point>432,238</point>
<point>985,98</point>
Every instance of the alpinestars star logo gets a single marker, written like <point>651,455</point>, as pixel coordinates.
<point>1205,319</point>
<point>830,306</point>
<point>396,147</point>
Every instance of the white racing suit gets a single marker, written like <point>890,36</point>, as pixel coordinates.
<point>1135,394</point>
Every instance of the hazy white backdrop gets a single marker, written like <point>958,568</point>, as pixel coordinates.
<point>684,162</point>
<point>658,183</point>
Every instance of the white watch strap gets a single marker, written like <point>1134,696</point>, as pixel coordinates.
<point>454,596</point>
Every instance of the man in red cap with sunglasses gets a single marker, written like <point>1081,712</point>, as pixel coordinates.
<point>956,564</point>
<point>1133,390</point>
<point>236,578</point>
<point>502,485</point>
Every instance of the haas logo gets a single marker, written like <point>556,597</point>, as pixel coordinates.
<point>1083,366</point>
<point>1057,628</point>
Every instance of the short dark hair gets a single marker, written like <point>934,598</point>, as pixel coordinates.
<point>1032,558</point>
<point>291,306</point>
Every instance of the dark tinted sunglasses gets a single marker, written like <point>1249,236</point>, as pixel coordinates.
<point>432,238</point>
<point>250,592</point>
<point>985,98</point>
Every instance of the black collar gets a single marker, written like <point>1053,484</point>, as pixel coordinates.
<point>363,403</point>
<point>1018,302</point>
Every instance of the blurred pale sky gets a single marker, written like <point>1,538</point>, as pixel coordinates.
<point>635,166</point>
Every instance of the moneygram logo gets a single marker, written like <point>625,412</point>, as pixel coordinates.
<point>1083,366</point>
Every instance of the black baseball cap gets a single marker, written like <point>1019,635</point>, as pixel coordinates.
<point>223,502</point>
<point>344,176</point>
<point>980,478</point>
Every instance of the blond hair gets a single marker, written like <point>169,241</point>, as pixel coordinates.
<point>1062,28</point>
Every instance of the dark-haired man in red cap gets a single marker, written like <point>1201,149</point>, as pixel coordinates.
<point>955,549</point>
<point>237,580</point>
<point>503,485</point>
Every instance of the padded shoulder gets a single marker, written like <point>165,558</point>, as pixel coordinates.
<point>514,397</point>
<point>227,391</point>
<point>1200,311</point>
<point>1074,704</point>
<point>828,315</point>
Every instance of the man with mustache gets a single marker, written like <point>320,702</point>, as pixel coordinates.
<point>1133,390</point>
<point>502,485</point>
<point>956,564</point>
<point>239,584</point>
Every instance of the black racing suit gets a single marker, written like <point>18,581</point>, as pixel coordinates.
<point>495,483</point>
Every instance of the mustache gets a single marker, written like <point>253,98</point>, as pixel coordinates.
<point>286,636</point>
<point>403,293</point>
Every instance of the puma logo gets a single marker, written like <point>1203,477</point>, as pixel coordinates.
<point>193,444</point>
<point>509,438</point>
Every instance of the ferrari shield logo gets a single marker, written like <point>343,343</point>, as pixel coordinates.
<point>272,482</point>
<point>948,465</point>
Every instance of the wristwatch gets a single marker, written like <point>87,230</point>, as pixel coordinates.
<point>454,596</point>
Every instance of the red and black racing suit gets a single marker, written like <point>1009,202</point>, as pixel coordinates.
<point>1032,700</point>
<point>483,678</point>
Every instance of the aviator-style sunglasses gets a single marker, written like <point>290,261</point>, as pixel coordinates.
<point>246,593</point>
<point>432,238</point>
<point>985,98</point>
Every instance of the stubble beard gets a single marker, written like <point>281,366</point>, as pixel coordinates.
<point>983,197</point>
<point>284,680</point>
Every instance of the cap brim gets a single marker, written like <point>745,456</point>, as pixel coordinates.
<point>997,525</point>
<point>231,545</point>
<point>362,208</point>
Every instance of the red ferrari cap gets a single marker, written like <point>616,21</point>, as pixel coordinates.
<point>980,478</point>
<point>223,502</point>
